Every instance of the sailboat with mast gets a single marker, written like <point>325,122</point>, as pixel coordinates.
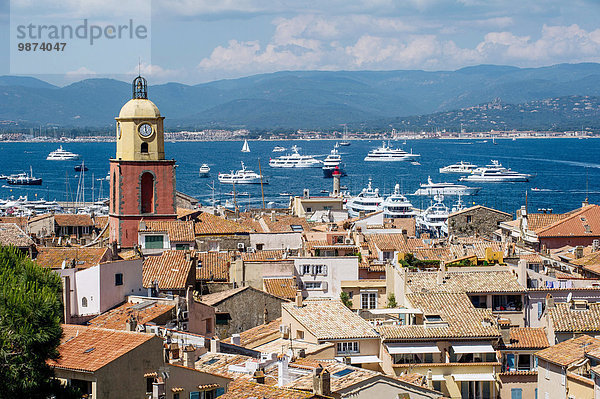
<point>245,147</point>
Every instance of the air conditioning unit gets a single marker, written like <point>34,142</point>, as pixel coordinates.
<point>241,246</point>
<point>348,240</point>
<point>185,315</point>
<point>184,326</point>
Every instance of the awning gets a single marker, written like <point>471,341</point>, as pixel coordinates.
<point>473,348</point>
<point>395,311</point>
<point>474,377</point>
<point>361,359</point>
<point>395,349</point>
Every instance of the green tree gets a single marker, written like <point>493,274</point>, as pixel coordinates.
<point>391,303</point>
<point>30,330</point>
<point>346,299</point>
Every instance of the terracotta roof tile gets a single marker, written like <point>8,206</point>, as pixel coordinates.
<point>528,338</point>
<point>479,207</point>
<point>590,262</point>
<point>65,219</point>
<point>208,223</point>
<point>469,282</point>
<point>273,254</point>
<point>178,230</point>
<point>281,287</point>
<point>90,348</point>
<point>456,310</point>
<point>537,221</point>
<point>11,234</point>
<point>584,222</point>
<point>245,389</point>
<point>20,221</point>
<point>171,270</point>
<point>53,257</point>
<point>117,318</point>
<point>567,319</point>
<point>567,352</point>
<point>388,242</point>
<point>213,266</point>
<point>218,297</point>
<point>259,335</point>
<point>284,223</point>
<point>330,319</point>
<point>218,363</point>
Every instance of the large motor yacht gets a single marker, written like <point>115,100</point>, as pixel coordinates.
<point>459,167</point>
<point>434,219</point>
<point>397,206</point>
<point>387,154</point>
<point>61,155</point>
<point>431,188</point>
<point>367,201</point>
<point>204,170</point>
<point>242,176</point>
<point>294,160</point>
<point>495,173</point>
<point>24,179</point>
<point>332,161</point>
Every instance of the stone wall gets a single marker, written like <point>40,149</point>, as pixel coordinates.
<point>478,221</point>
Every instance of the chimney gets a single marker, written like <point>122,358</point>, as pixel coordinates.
<point>273,218</point>
<point>306,193</point>
<point>283,371</point>
<point>299,299</point>
<point>429,379</point>
<point>505,331</point>
<point>549,301</point>
<point>266,316</point>
<point>259,377</point>
<point>189,354</point>
<point>130,324</point>
<point>336,181</point>
<point>236,340</point>
<point>215,345</point>
<point>114,249</point>
<point>321,382</point>
<point>578,252</point>
<point>188,256</point>
<point>441,274</point>
<point>595,245</point>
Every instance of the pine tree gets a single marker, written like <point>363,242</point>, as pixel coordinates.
<point>30,329</point>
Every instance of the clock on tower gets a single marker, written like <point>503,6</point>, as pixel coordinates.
<point>142,181</point>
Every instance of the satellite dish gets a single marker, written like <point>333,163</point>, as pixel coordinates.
<point>569,297</point>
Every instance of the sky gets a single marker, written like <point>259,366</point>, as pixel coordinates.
<point>195,41</point>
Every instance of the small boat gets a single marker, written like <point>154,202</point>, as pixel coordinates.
<point>285,194</point>
<point>204,170</point>
<point>415,163</point>
<point>238,194</point>
<point>81,168</point>
<point>23,179</point>
<point>344,143</point>
<point>246,147</point>
<point>324,192</point>
<point>3,177</point>
<point>61,155</point>
<point>278,149</point>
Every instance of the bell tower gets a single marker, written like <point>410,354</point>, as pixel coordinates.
<point>142,181</point>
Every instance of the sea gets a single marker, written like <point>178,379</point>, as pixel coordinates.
<point>565,171</point>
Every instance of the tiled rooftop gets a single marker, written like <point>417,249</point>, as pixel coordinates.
<point>65,219</point>
<point>177,230</point>
<point>330,319</point>
<point>246,389</point>
<point>89,348</point>
<point>218,297</point>
<point>388,242</point>
<point>527,338</point>
<point>11,234</point>
<point>20,221</point>
<point>477,207</point>
<point>53,257</point>
<point>463,320</point>
<point>213,266</point>
<point>470,282</point>
<point>537,221</point>
<point>567,319</point>
<point>273,254</point>
<point>567,352</point>
<point>208,223</point>
<point>584,222</point>
<point>117,318</point>
<point>281,287</point>
<point>218,363</point>
<point>259,335</point>
<point>170,270</point>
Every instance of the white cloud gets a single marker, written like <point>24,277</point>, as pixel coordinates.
<point>155,72</point>
<point>81,72</point>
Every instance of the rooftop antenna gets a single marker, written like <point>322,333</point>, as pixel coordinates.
<point>139,66</point>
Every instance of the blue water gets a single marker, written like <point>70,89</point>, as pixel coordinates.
<point>562,166</point>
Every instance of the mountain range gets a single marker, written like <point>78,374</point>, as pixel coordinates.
<point>295,100</point>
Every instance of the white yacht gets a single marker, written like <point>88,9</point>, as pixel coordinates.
<point>431,188</point>
<point>367,201</point>
<point>397,206</point>
<point>434,219</point>
<point>294,160</point>
<point>278,149</point>
<point>242,176</point>
<point>204,170</point>
<point>459,167</point>
<point>387,154</point>
<point>245,147</point>
<point>333,159</point>
<point>495,173</point>
<point>61,155</point>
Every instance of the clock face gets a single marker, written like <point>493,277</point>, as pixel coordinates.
<point>145,130</point>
